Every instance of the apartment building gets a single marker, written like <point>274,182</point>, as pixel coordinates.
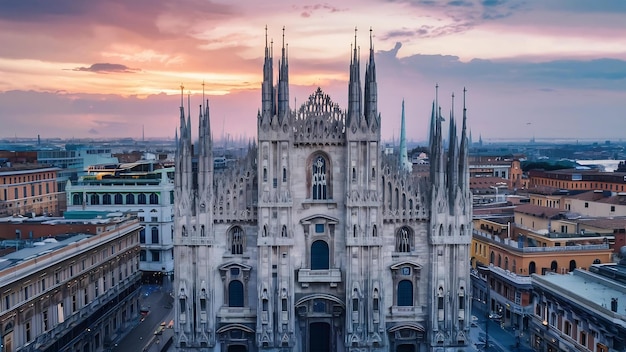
<point>145,188</point>
<point>72,292</point>
<point>505,255</point>
<point>583,311</point>
<point>28,189</point>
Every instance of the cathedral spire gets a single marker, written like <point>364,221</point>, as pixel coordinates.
<point>463,177</point>
<point>371,94</point>
<point>267,87</point>
<point>283,84</point>
<point>452,173</point>
<point>354,87</point>
<point>405,164</point>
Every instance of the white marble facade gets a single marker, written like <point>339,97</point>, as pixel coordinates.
<point>315,241</point>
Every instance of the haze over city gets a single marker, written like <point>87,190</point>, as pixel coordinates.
<point>110,69</point>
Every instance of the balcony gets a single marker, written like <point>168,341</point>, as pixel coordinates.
<point>194,241</point>
<point>308,276</point>
<point>405,311</point>
<point>236,315</point>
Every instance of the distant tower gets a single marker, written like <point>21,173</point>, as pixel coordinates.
<point>405,164</point>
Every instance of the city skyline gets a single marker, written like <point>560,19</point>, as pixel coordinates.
<point>114,69</point>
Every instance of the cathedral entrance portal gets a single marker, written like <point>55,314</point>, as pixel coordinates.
<point>406,348</point>
<point>237,348</point>
<point>319,337</point>
<point>320,318</point>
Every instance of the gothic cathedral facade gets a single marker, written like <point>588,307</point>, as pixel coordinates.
<point>316,240</point>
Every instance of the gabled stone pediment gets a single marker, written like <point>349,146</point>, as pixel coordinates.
<point>309,219</point>
<point>405,263</point>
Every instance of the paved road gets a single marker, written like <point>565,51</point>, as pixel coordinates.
<point>142,337</point>
<point>500,340</point>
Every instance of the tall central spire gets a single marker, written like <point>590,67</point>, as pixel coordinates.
<point>354,87</point>
<point>283,83</point>
<point>371,94</point>
<point>267,87</point>
<point>405,164</point>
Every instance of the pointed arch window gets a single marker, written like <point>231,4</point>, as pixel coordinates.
<point>94,199</point>
<point>319,255</point>
<point>118,199</point>
<point>319,182</point>
<point>77,198</point>
<point>130,199</point>
<point>405,293</point>
<point>283,232</point>
<point>235,294</point>
<point>154,198</point>
<point>236,240</point>
<point>106,199</point>
<point>404,240</point>
<point>141,198</point>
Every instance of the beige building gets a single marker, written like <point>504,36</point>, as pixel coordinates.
<point>29,189</point>
<point>71,293</point>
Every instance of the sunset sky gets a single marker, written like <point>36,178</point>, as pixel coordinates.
<point>97,69</point>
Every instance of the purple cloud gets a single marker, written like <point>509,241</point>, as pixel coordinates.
<point>107,68</point>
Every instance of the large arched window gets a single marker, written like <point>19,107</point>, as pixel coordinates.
<point>554,266</point>
<point>404,240</point>
<point>319,186</point>
<point>572,265</point>
<point>154,198</point>
<point>94,199</point>
<point>118,198</point>
<point>155,234</point>
<point>130,198</point>
<point>532,268</point>
<point>141,198</point>
<point>77,198</point>
<point>236,240</point>
<point>319,255</point>
<point>235,294</point>
<point>405,293</point>
<point>106,199</point>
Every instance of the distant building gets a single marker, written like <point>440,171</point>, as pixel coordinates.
<point>577,180</point>
<point>27,189</point>
<point>75,292</point>
<point>582,311</point>
<point>143,187</point>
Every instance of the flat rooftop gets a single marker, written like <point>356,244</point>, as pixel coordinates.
<point>39,248</point>
<point>589,289</point>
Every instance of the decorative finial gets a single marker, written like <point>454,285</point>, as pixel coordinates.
<point>464,91</point>
<point>453,101</point>
<point>182,94</point>
<point>371,42</point>
<point>283,36</point>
